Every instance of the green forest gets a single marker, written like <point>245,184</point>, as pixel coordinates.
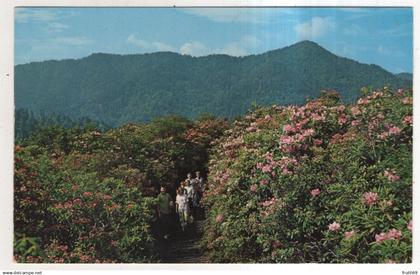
<point>116,89</point>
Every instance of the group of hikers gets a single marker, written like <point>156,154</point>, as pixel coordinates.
<point>186,206</point>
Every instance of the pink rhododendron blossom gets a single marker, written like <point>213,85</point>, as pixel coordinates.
<point>410,225</point>
<point>87,194</point>
<point>308,132</point>
<point>268,118</point>
<point>334,226</point>
<point>363,101</point>
<point>270,202</point>
<point>264,182</point>
<point>287,128</point>
<point>408,120</point>
<point>400,92</point>
<point>300,138</point>
<point>253,188</point>
<point>391,175</point>
<point>407,100</point>
<point>342,119</point>
<point>380,116</point>
<point>220,218</point>
<point>315,192</point>
<point>355,123</point>
<point>370,198</point>
<point>349,234</point>
<point>394,130</point>
<point>317,142</point>
<point>383,135</point>
<point>394,234</point>
<point>286,140</point>
<point>317,117</point>
<point>355,111</point>
<point>381,237</point>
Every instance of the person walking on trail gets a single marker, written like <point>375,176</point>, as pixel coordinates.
<point>190,192</point>
<point>182,208</point>
<point>164,207</point>
<point>196,197</point>
<point>200,181</point>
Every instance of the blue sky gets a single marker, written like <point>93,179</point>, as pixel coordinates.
<point>382,36</point>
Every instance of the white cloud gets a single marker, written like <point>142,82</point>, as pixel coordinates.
<point>149,46</point>
<point>133,39</point>
<point>316,27</point>
<point>198,48</point>
<point>231,15</point>
<point>24,15</point>
<point>236,48</point>
<point>56,27</point>
<point>195,48</point>
<point>163,47</point>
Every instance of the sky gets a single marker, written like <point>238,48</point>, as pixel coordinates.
<point>382,36</point>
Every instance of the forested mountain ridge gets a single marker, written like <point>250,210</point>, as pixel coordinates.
<point>122,88</point>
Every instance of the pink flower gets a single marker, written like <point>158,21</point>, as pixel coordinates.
<point>317,142</point>
<point>342,119</point>
<point>408,120</point>
<point>381,237</point>
<point>394,130</point>
<point>391,175</point>
<point>268,118</point>
<point>407,100</point>
<point>253,188</point>
<point>370,198</point>
<point>349,234</point>
<point>220,218</point>
<point>355,111</point>
<point>355,122</point>
<point>410,225</point>
<point>308,132</point>
<point>394,234</point>
<point>334,226</point>
<point>363,101</point>
<point>87,194</point>
<point>77,201</point>
<point>264,182</point>
<point>315,192</point>
<point>286,140</point>
<point>317,117</point>
<point>268,203</point>
<point>287,128</point>
<point>383,135</point>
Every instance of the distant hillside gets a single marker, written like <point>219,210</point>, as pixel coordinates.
<point>406,76</point>
<point>121,88</point>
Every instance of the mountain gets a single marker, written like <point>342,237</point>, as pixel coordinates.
<point>121,88</point>
<point>406,76</point>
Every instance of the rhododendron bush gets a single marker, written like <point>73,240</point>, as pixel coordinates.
<point>85,196</point>
<point>322,182</point>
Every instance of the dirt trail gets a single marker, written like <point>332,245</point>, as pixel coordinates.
<point>185,246</point>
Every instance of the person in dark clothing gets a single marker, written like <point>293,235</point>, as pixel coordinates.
<point>164,211</point>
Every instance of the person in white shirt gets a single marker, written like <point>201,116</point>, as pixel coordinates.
<point>182,207</point>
